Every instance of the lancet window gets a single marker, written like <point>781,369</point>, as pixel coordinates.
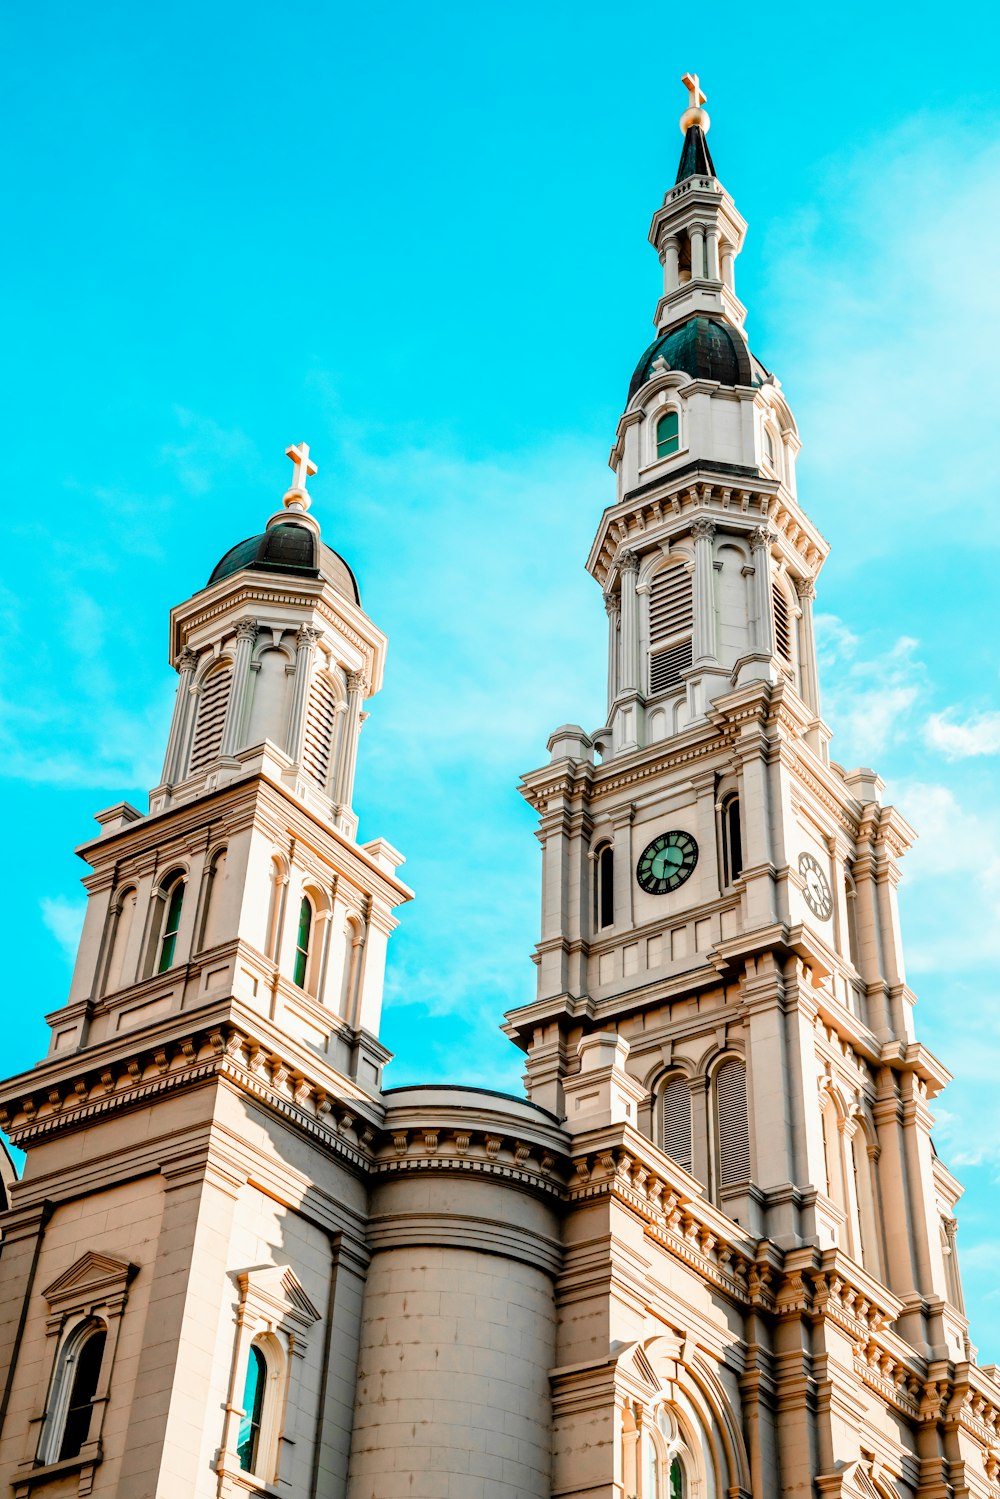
<point>74,1388</point>
<point>675,1120</point>
<point>668,434</point>
<point>172,900</point>
<point>732,1123</point>
<point>604,887</point>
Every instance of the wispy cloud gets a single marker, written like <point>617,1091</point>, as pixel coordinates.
<point>867,698</point>
<point>979,734</point>
<point>64,919</point>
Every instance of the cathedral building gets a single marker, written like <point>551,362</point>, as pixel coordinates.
<point>710,1254</point>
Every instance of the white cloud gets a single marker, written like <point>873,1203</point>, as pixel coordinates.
<point>64,919</point>
<point>867,699</point>
<point>979,734</point>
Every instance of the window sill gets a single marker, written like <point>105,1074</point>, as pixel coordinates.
<point>662,465</point>
<point>234,1481</point>
<point>34,1475</point>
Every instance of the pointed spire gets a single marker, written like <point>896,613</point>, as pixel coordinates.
<point>696,159</point>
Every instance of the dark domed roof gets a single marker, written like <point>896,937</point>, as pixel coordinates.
<point>292,549</point>
<point>705,348</point>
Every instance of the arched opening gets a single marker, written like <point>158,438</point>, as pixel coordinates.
<point>320,731</point>
<point>732,840</point>
<point>74,1389</point>
<point>675,1120</point>
<point>269,709</point>
<point>604,887</point>
<point>211,926</point>
<point>732,1125</point>
<point>782,624</point>
<point>668,434</point>
<point>853,940</point>
<point>254,1390</point>
<point>123,924</point>
<point>172,900</point>
<point>863,1161</point>
<point>213,701</point>
<point>303,941</point>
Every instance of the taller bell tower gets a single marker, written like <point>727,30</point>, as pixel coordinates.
<point>720,960</point>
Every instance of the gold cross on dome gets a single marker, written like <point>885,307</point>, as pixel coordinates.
<point>692,84</point>
<point>304,466</point>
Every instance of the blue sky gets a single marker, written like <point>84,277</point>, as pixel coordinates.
<point>416,237</point>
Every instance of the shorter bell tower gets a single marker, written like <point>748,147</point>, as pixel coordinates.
<point>245,881</point>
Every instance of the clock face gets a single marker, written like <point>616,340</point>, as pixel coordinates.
<point>666,862</point>
<point>817,887</point>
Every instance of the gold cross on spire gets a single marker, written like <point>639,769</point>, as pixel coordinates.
<point>692,83</point>
<point>304,466</point>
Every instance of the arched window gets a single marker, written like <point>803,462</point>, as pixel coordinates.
<point>302,939</point>
<point>211,925</point>
<point>732,1124</point>
<point>732,840</point>
<point>213,700</point>
<point>769,451</point>
<point>853,942</point>
<point>254,1390</point>
<point>604,887</point>
<point>866,1196</point>
<point>671,621</point>
<point>172,896</point>
<point>676,1120</point>
<point>661,1469</point>
<point>668,434</point>
<point>74,1389</point>
<point>123,919</point>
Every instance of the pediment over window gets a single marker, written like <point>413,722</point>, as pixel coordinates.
<point>277,1294</point>
<point>90,1279</point>
<point>633,1362</point>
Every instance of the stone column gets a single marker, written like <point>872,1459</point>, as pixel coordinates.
<point>357,686</point>
<point>172,760</point>
<point>670,259</point>
<point>712,252</point>
<point>305,649</point>
<point>697,252</point>
<point>761,540</point>
<point>703,531</point>
<point>612,607</point>
<point>232,729</point>
<point>729,267</point>
<point>628,567</point>
<point>806,590</point>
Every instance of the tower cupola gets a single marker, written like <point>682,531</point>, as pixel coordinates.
<point>275,657</point>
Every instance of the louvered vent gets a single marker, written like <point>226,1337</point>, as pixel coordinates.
<point>677,1121</point>
<point>212,704</point>
<point>671,615</point>
<point>320,719</point>
<point>734,1131</point>
<point>782,623</point>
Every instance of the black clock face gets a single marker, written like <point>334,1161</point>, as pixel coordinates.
<point>816,887</point>
<point>666,862</point>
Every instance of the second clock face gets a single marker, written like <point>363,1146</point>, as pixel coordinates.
<point>666,862</point>
<point>815,887</point>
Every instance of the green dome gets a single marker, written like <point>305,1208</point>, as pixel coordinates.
<point>293,550</point>
<point>705,348</point>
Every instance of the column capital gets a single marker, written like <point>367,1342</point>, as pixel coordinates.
<point>703,529</point>
<point>611,605</point>
<point>187,660</point>
<point>805,588</point>
<point>306,636</point>
<point>761,537</point>
<point>357,682</point>
<point>628,562</point>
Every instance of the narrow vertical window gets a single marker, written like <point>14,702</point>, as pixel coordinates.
<point>302,942</point>
<point>667,434</point>
<point>253,1410</point>
<point>213,700</point>
<point>732,1122</point>
<point>782,624</point>
<point>671,622</point>
<point>604,887</point>
<point>769,447</point>
<point>677,1489</point>
<point>732,840</point>
<point>853,942</point>
<point>650,1468</point>
<point>677,1120</point>
<point>87,1359</point>
<point>174,897</point>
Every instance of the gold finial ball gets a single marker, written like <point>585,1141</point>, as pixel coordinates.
<point>695,116</point>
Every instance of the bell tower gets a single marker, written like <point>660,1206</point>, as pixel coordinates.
<point>720,961</point>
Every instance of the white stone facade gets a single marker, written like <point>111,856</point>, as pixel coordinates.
<point>711,1255</point>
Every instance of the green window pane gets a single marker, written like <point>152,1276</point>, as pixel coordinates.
<point>253,1405</point>
<point>302,942</point>
<point>667,434</point>
<point>171,925</point>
